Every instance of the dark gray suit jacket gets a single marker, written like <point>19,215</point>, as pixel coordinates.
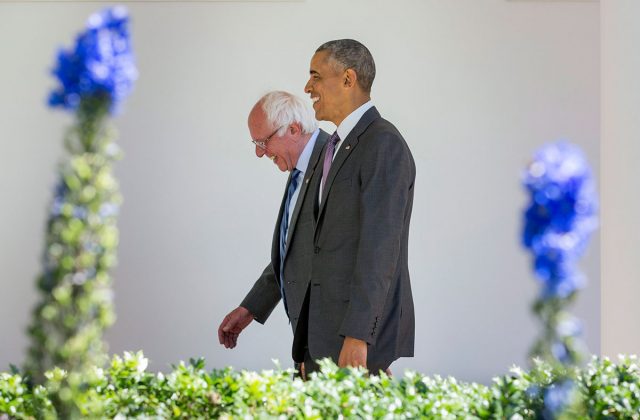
<point>265,293</point>
<point>359,277</point>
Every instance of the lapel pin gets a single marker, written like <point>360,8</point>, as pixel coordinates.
<point>306,181</point>
<point>347,147</point>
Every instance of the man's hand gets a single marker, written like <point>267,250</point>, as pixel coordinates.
<point>353,353</point>
<point>232,325</point>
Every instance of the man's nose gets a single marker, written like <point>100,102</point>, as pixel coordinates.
<point>260,151</point>
<point>307,87</point>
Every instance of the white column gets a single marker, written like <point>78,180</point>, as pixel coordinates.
<point>620,176</point>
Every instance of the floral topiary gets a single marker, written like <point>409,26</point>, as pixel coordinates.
<point>558,222</point>
<point>75,304</point>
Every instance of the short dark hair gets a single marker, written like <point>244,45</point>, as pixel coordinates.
<point>351,54</point>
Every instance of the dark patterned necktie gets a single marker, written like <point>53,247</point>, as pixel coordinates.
<point>328,157</point>
<point>284,228</point>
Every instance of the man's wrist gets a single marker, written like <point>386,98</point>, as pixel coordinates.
<point>247,311</point>
<point>355,340</point>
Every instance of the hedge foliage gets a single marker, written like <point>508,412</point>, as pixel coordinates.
<point>127,390</point>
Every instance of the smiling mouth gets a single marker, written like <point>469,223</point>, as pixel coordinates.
<point>315,99</point>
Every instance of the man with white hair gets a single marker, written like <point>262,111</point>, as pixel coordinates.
<point>284,129</point>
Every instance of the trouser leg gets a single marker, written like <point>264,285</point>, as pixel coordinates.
<point>310,365</point>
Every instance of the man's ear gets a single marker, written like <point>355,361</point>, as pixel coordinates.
<point>295,129</point>
<point>350,78</point>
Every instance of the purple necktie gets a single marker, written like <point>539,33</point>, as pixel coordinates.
<point>328,157</point>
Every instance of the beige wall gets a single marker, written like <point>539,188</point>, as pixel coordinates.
<point>475,86</point>
<point>620,172</point>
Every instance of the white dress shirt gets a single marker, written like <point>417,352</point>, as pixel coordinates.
<point>350,122</point>
<point>301,165</point>
<point>345,127</point>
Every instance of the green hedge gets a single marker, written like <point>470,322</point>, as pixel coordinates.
<point>126,390</point>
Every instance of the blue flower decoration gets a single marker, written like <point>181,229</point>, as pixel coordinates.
<point>557,397</point>
<point>561,216</point>
<point>100,66</point>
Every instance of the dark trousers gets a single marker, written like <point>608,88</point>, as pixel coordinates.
<point>300,348</point>
<point>307,367</point>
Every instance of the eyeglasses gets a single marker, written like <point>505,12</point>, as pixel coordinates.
<point>262,144</point>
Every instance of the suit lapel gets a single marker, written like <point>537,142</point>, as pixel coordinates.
<point>345,149</point>
<point>275,244</point>
<point>311,167</point>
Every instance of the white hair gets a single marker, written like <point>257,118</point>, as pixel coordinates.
<point>283,109</point>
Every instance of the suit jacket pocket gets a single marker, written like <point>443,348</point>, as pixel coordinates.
<point>337,290</point>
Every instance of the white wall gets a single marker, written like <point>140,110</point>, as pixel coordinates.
<point>474,86</point>
<point>620,172</point>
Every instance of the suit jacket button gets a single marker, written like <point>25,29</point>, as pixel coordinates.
<point>316,250</point>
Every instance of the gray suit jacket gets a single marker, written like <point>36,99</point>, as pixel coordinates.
<point>359,277</point>
<point>265,293</point>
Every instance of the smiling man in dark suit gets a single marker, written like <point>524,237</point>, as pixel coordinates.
<point>359,307</point>
<point>284,129</point>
